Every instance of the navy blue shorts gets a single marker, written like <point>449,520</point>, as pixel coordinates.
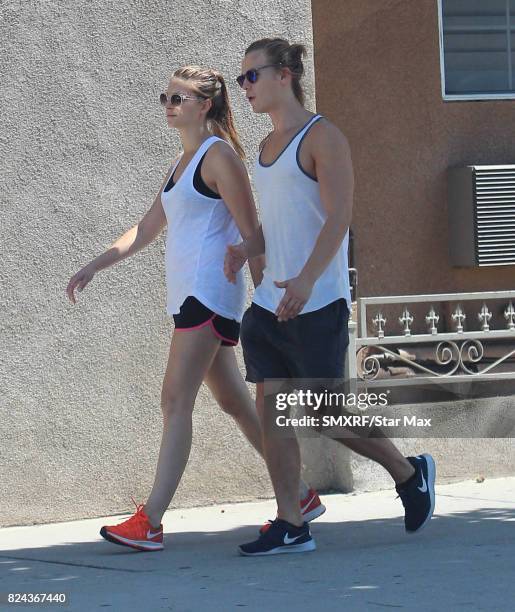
<point>311,345</point>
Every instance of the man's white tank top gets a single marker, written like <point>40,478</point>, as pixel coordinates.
<point>292,217</point>
<point>199,230</point>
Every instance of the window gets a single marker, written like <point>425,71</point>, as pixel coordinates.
<point>477,49</point>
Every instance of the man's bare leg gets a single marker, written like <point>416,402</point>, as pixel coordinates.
<point>282,456</point>
<point>382,451</point>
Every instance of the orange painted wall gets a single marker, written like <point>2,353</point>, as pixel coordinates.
<point>377,67</point>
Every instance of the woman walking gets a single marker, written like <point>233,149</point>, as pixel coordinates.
<point>206,202</point>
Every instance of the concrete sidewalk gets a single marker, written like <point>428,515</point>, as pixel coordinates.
<point>463,560</point>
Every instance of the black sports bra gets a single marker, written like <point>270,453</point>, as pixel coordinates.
<point>198,182</point>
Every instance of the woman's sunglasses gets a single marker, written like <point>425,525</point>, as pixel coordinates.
<point>252,75</point>
<point>177,99</point>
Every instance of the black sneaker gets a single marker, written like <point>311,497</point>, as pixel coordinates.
<point>281,537</point>
<point>418,493</point>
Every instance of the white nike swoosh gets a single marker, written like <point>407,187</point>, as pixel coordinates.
<point>423,488</point>
<point>152,535</point>
<point>288,540</point>
<point>307,505</point>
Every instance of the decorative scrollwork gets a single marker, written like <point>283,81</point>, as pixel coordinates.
<point>475,353</point>
<point>462,354</point>
<point>446,353</point>
<point>371,366</point>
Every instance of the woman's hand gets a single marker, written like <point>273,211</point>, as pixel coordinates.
<point>80,280</point>
<point>235,258</point>
<point>298,292</point>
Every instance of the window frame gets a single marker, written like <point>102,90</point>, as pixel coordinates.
<point>462,97</point>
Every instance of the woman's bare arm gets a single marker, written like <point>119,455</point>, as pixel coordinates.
<point>139,236</point>
<point>129,243</point>
<point>233,185</point>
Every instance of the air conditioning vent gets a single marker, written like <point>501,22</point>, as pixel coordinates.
<point>481,211</point>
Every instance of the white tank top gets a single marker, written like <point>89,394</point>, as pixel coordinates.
<point>292,217</point>
<point>199,230</point>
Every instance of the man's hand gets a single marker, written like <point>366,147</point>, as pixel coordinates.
<point>298,292</point>
<point>235,258</point>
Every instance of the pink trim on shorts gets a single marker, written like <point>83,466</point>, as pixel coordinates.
<point>196,326</point>
<point>208,322</point>
<point>219,335</point>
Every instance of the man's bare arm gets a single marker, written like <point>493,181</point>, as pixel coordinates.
<point>335,177</point>
<point>334,172</point>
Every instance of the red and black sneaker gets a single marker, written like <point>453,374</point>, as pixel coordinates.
<point>136,532</point>
<point>310,508</point>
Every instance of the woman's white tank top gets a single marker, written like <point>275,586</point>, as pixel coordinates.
<point>292,217</point>
<point>199,230</point>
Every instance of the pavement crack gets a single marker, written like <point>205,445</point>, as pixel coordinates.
<point>70,563</point>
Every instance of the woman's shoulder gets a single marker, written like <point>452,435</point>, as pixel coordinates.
<point>221,160</point>
<point>221,147</point>
<point>221,151</point>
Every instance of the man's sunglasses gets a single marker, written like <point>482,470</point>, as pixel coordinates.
<point>177,99</point>
<point>252,74</point>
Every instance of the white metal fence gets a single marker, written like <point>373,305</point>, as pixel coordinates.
<point>457,354</point>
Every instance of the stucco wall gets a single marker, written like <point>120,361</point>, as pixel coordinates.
<point>85,147</point>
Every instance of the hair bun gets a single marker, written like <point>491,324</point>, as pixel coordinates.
<point>298,48</point>
<point>295,53</point>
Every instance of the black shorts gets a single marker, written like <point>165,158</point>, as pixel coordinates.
<point>193,315</point>
<point>311,345</point>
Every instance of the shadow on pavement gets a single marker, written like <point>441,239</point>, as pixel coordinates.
<point>459,561</point>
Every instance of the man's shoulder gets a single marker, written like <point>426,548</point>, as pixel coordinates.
<point>325,133</point>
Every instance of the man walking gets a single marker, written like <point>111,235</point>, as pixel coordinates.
<point>296,326</point>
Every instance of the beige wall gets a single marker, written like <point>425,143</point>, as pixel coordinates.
<point>84,150</point>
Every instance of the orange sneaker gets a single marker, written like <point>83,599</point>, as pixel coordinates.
<point>136,532</point>
<point>310,508</point>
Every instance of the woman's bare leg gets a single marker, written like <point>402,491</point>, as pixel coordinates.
<point>226,383</point>
<point>232,395</point>
<point>191,355</point>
